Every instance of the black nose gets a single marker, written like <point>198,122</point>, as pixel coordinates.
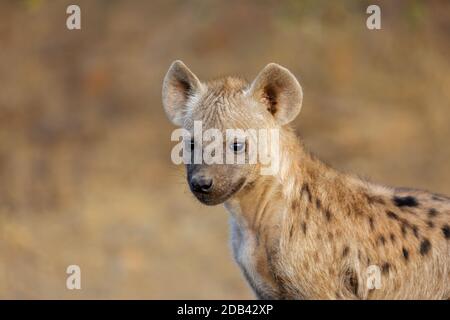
<point>201,184</point>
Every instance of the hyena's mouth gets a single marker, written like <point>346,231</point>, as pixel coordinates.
<point>215,198</point>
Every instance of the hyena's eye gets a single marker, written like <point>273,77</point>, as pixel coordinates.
<point>237,147</point>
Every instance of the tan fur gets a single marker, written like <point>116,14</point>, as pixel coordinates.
<point>319,240</point>
<point>310,232</point>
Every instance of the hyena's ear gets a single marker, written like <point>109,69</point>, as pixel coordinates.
<point>179,83</point>
<point>278,89</point>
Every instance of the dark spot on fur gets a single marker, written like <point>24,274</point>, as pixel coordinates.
<point>371,223</point>
<point>381,240</point>
<point>291,231</point>
<point>385,267</point>
<point>432,212</point>
<point>392,215</point>
<point>405,253</point>
<point>295,204</point>
<point>430,224</point>
<point>425,246</point>
<point>407,201</point>
<point>318,204</point>
<point>305,189</point>
<point>345,251</point>
<point>330,236</point>
<point>328,215</point>
<point>446,231</point>
<point>392,236</point>
<point>304,227</point>
<point>351,281</point>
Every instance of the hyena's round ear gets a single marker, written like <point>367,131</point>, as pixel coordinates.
<point>179,84</point>
<point>278,89</point>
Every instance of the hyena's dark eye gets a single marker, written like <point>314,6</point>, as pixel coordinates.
<point>237,147</point>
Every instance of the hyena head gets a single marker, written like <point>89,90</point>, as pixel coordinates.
<point>271,101</point>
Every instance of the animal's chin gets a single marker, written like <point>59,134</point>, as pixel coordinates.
<point>215,199</point>
<point>210,200</point>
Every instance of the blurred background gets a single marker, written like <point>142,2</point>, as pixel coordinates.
<point>85,170</point>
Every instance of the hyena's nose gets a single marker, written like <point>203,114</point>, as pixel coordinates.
<point>201,183</point>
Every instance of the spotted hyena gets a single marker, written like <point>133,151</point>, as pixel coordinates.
<point>308,231</point>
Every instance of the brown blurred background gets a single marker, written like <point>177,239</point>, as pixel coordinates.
<point>85,170</point>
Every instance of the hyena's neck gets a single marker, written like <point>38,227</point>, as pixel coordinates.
<point>303,183</point>
<point>302,175</point>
